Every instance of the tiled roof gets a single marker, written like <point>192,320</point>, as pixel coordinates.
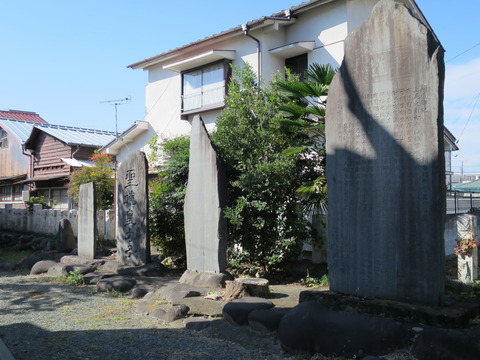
<point>77,136</point>
<point>21,116</point>
<point>21,129</point>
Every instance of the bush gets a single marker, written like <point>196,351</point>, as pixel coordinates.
<point>267,219</point>
<point>167,193</point>
<point>102,174</point>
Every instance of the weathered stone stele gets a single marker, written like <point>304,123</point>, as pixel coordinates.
<point>205,226</point>
<point>87,220</point>
<point>386,186</point>
<point>133,242</point>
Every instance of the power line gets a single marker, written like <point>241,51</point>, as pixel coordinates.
<point>474,46</point>
<point>471,112</point>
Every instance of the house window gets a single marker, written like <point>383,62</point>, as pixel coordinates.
<point>204,87</point>
<point>17,192</point>
<point>6,193</point>
<point>297,64</point>
<point>3,139</point>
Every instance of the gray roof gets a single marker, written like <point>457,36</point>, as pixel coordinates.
<point>21,129</point>
<point>76,136</point>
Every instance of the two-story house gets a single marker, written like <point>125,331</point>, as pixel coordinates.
<point>56,150</point>
<point>15,128</point>
<point>193,79</point>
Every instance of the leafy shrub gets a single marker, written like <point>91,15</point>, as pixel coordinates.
<point>75,278</point>
<point>37,200</point>
<point>167,193</point>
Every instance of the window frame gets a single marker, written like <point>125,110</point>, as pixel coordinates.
<point>3,138</point>
<point>226,78</point>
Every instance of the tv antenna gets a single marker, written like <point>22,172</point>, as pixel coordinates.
<point>116,103</point>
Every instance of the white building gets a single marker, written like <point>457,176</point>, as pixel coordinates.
<point>192,79</point>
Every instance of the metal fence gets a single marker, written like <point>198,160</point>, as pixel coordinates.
<point>462,202</point>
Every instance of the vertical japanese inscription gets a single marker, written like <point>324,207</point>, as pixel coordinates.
<point>129,202</point>
<point>132,206</point>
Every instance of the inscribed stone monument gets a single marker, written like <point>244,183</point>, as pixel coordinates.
<point>87,220</point>
<point>205,226</point>
<point>133,242</point>
<point>386,185</point>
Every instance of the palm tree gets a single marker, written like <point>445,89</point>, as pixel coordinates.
<point>306,112</point>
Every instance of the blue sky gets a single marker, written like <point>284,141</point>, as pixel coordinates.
<point>62,58</point>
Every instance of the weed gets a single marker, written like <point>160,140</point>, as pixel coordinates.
<point>311,281</point>
<point>75,278</point>
<point>114,293</point>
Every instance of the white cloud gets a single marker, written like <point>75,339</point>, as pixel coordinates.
<point>462,81</point>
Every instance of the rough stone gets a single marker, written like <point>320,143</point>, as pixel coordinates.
<point>176,292</point>
<point>236,312</point>
<point>205,225</point>
<point>266,321</point>
<point>118,283</point>
<point>312,328</point>
<point>133,241</point>
<point>452,344</point>
<point>42,267</point>
<point>87,220</point>
<point>241,287</point>
<point>197,323</point>
<point>203,279</point>
<point>151,269</point>
<point>59,270</point>
<point>66,240</point>
<point>174,313</point>
<point>384,142</point>
<point>139,291</point>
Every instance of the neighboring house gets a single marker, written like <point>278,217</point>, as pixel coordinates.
<point>450,144</point>
<point>193,79</point>
<point>56,150</point>
<point>132,139</point>
<point>15,127</point>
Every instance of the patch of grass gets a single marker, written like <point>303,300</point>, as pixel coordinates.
<point>15,257</point>
<point>113,293</point>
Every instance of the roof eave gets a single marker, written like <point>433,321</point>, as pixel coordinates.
<point>253,25</point>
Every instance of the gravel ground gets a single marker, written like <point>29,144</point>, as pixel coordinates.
<point>45,320</point>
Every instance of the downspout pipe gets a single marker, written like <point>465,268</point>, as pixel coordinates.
<point>259,52</point>
<point>245,29</point>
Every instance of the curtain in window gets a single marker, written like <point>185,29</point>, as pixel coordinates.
<point>192,90</point>
<point>213,83</point>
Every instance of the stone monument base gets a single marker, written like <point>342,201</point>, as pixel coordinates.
<point>205,279</point>
<point>454,315</point>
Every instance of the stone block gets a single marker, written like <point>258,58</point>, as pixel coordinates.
<point>133,241</point>
<point>385,160</point>
<point>205,225</point>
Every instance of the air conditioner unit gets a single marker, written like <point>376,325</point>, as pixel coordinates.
<point>25,195</point>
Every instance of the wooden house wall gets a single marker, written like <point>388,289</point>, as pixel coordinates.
<point>48,154</point>
<point>12,160</point>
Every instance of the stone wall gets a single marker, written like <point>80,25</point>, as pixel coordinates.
<point>46,221</point>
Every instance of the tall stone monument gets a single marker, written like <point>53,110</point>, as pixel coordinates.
<point>385,163</point>
<point>133,242</point>
<point>87,220</point>
<point>205,226</point>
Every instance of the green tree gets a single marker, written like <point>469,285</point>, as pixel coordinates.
<point>167,193</point>
<point>265,213</point>
<point>102,174</point>
<point>305,111</point>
